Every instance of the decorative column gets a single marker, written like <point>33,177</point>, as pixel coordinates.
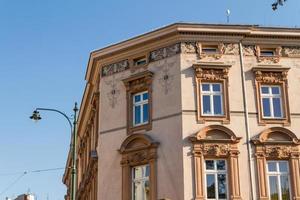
<point>295,175</point>
<point>198,160</point>
<point>261,176</point>
<point>234,175</point>
<point>125,181</point>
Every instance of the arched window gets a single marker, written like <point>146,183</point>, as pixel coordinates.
<point>277,160</point>
<point>215,150</point>
<point>138,168</point>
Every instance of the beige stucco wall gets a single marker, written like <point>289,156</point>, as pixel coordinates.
<point>166,129</point>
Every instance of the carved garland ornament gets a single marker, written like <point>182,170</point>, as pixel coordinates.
<point>271,77</point>
<point>291,51</point>
<point>211,74</point>
<point>115,68</point>
<point>164,52</point>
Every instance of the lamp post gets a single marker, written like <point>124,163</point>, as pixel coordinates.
<point>36,117</point>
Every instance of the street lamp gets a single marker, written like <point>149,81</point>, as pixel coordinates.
<point>36,117</point>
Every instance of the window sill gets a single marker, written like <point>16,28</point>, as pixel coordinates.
<point>140,127</point>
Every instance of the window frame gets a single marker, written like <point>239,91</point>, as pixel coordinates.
<point>275,58</point>
<point>212,74</point>
<point>215,172</point>
<point>278,174</point>
<point>272,77</point>
<point>271,96</point>
<point>211,94</point>
<point>141,104</point>
<point>133,180</point>
<point>138,83</point>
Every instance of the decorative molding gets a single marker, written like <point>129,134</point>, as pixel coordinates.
<point>115,68</point>
<point>207,145</point>
<point>166,78</point>
<point>134,84</point>
<point>165,52</point>
<point>138,149</point>
<point>285,147</point>
<point>276,76</point>
<point>188,47</point>
<point>268,59</point>
<point>291,51</point>
<point>218,55</point>
<point>212,73</point>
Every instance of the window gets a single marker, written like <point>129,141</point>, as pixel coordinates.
<point>210,49</point>
<point>277,156</point>
<point>216,165</point>
<point>271,101</point>
<point>272,95</point>
<point>278,180</point>
<point>213,50</point>
<point>139,101</point>
<point>267,53</point>
<point>216,179</point>
<point>139,177</point>
<point>140,108</point>
<point>140,61</point>
<point>212,98</point>
<point>140,182</point>
<point>212,93</point>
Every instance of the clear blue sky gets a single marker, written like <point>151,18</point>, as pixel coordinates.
<point>44,49</point>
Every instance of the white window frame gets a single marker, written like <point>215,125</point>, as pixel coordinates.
<point>215,172</point>
<point>271,96</point>
<point>278,174</point>
<point>141,104</point>
<point>211,94</point>
<point>142,179</point>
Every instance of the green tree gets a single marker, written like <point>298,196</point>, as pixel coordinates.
<point>277,3</point>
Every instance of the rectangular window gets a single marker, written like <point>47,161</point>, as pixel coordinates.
<point>140,182</point>
<point>213,49</point>
<point>278,180</point>
<point>212,99</point>
<point>140,61</point>
<point>140,108</point>
<point>271,101</point>
<point>216,179</point>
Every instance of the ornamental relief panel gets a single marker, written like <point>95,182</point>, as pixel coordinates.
<point>271,77</point>
<point>164,52</point>
<point>212,74</point>
<point>115,68</point>
<point>138,157</point>
<point>291,51</point>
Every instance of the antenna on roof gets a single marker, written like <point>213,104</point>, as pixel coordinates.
<point>227,15</point>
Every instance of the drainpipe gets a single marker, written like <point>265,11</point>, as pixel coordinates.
<point>246,121</point>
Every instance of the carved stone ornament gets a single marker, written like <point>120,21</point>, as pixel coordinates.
<point>210,74</point>
<point>115,68</point>
<point>249,50</point>
<point>216,149</point>
<point>271,77</point>
<point>277,152</point>
<point>138,82</point>
<point>188,47</point>
<point>164,52</point>
<point>218,55</point>
<point>231,49</point>
<point>291,51</point>
<point>268,59</point>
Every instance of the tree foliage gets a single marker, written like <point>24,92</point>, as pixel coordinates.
<point>277,3</point>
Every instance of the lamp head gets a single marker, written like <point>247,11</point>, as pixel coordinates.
<point>35,116</point>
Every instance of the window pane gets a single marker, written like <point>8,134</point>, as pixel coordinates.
<point>209,164</point>
<point>277,107</point>
<point>206,104</point>
<point>147,171</point>
<point>137,172</point>
<point>217,105</point>
<point>137,98</point>
<point>137,114</point>
<point>266,107</point>
<point>145,113</point>
<point>265,90</point>
<point>222,186</point>
<point>138,190</point>
<point>275,90</point>
<point>285,189</point>
<point>273,187</point>
<point>283,166</point>
<point>145,96</point>
<point>146,190</point>
<point>205,87</point>
<point>221,165</point>
<point>216,87</point>
<point>272,167</point>
<point>210,186</point>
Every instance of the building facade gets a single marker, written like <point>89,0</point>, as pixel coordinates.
<point>192,111</point>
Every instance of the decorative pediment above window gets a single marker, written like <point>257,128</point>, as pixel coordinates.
<point>138,82</point>
<point>271,75</point>
<point>211,73</point>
